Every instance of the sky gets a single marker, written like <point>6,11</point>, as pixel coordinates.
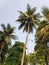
<point>9,14</point>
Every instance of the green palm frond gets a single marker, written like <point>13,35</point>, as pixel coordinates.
<point>28,7</point>
<point>33,10</point>
<point>8,26</point>
<point>14,37</point>
<point>45,11</point>
<point>20,20</point>
<point>25,27</point>
<point>1,34</point>
<point>3,26</point>
<point>42,24</point>
<point>11,30</point>
<point>31,27</point>
<point>22,24</point>
<point>43,31</point>
<point>30,10</point>
<point>45,36</point>
<point>37,16</point>
<point>23,14</point>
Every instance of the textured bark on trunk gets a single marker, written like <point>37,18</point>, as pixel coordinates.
<point>22,61</point>
<point>46,60</point>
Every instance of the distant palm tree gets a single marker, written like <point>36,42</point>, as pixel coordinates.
<point>6,34</point>
<point>28,21</point>
<point>45,11</point>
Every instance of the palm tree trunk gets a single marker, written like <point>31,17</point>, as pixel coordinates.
<point>2,46</point>
<point>46,60</point>
<point>22,62</point>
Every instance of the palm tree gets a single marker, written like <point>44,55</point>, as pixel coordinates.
<point>28,21</point>
<point>6,34</point>
<point>45,11</point>
<point>42,36</point>
<point>43,31</point>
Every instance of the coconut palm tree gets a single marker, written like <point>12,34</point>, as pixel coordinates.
<point>6,34</point>
<point>45,11</point>
<point>28,21</point>
<point>43,31</point>
<point>42,36</point>
<point>44,25</point>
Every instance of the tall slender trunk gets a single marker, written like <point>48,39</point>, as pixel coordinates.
<point>46,60</point>
<point>22,61</point>
<point>2,46</point>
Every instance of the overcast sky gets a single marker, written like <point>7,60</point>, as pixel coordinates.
<point>8,14</point>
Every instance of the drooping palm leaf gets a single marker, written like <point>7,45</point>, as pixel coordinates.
<point>23,23</point>
<point>14,37</point>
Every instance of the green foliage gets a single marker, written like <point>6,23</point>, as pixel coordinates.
<point>6,34</point>
<point>15,54</point>
<point>42,38</point>
<point>32,59</point>
<point>43,32</point>
<point>45,11</point>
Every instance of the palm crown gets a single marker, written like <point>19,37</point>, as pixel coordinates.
<point>43,31</point>
<point>6,34</point>
<point>29,18</point>
<point>45,11</point>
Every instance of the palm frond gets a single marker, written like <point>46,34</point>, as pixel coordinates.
<point>30,11</point>
<point>8,26</point>
<point>45,36</point>
<point>28,7</point>
<point>42,24</point>
<point>14,37</point>
<point>45,10</point>
<point>21,25</point>
<point>31,27</point>
<point>20,20</point>
<point>11,30</point>
<point>24,14</point>
<point>25,27</point>
<point>1,35</point>
<point>36,17</point>
<point>3,26</point>
<point>33,10</point>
